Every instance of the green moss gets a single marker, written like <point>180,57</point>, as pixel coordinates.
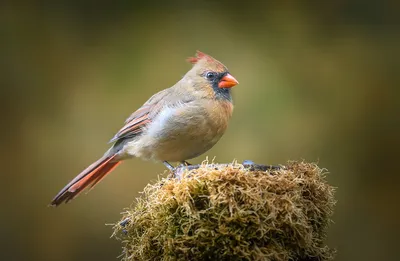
<point>231,213</point>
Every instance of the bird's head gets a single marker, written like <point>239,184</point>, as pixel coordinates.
<point>208,72</point>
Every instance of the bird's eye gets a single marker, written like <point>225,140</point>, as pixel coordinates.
<point>210,75</point>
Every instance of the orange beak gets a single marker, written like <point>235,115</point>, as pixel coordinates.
<point>228,81</point>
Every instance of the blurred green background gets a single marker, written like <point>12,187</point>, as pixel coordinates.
<point>319,80</point>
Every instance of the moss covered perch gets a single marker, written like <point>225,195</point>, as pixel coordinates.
<point>229,212</point>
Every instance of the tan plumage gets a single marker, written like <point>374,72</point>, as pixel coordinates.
<point>175,124</point>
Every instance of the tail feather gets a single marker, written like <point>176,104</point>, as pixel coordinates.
<point>89,177</point>
<point>107,169</point>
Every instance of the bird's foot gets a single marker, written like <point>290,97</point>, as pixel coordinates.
<point>248,164</point>
<point>185,163</point>
<point>253,166</point>
<point>177,171</point>
<point>182,167</point>
<point>124,222</point>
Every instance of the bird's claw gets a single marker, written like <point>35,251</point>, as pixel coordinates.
<point>177,171</point>
<point>251,165</point>
<point>186,163</point>
<point>248,162</point>
<point>124,222</point>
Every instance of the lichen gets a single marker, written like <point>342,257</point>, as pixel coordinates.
<point>231,213</point>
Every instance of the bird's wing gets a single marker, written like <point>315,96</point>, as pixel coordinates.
<point>137,121</point>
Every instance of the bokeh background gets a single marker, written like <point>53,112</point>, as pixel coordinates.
<point>319,80</point>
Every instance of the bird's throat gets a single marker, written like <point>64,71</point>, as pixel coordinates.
<point>222,93</point>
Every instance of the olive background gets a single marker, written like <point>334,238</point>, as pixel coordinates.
<point>319,81</point>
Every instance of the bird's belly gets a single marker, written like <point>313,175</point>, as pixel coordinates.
<point>179,135</point>
<point>182,148</point>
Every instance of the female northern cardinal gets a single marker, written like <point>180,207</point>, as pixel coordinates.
<point>175,124</point>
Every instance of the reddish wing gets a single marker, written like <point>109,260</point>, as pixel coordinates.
<point>138,120</point>
<point>135,123</point>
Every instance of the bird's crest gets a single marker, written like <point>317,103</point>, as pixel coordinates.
<point>210,60</point>
<point>199,56</point>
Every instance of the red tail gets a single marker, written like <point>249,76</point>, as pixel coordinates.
<point>90,176</point>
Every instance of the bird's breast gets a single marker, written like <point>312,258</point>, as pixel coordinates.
<point>184,131</point>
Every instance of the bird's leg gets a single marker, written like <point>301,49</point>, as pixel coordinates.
<point>176,171</point>
<point>185,163</point>
<point>169,166</point>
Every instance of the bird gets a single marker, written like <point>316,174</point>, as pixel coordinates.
<point>175,125</point>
